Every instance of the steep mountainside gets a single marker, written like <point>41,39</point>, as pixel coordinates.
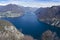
<point>9,32</point>
<point>49,15</point>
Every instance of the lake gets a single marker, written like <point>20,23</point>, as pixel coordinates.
<point>29,25</point>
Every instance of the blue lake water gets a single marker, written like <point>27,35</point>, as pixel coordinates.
<point>31,26</point>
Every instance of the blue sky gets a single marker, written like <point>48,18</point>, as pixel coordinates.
<point>31,3</point>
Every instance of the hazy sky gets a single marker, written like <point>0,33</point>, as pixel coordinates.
<point>31,3</point>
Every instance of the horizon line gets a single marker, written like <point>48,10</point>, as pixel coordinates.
<point>29,6</point>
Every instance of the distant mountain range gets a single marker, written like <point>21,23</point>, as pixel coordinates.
<point>49,15</point>
<point>11,7</point>
<point>16,8</point>
<point>13,10</point>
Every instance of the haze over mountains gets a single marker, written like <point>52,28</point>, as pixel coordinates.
<point>49,15</point>
<point>15,8</point>
<point>11,7</point>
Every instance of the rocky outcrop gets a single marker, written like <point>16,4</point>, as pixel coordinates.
<point>49,15</point>
<point>9,32</point>
<point>49,35</point>
<point>27,37</point>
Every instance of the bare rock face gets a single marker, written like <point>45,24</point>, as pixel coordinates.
<point>49,35</point>
<point>9,32</point>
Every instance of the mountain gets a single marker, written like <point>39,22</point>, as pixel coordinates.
<point>9,32</point>
<point>11,7</point>
<point>16,8</point>
<point>11,10</point>
<point>49,15</point>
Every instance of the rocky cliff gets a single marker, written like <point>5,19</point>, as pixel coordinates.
<point>9,32</point>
